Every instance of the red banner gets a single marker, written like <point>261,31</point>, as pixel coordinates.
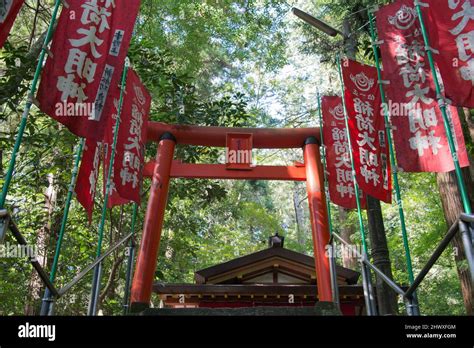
<point>367,129</point>
<point>8,11</point>
<point>114,197</point>
<point>418,128</point>
<point>338,162</point>
<point>129,155</point>
<point>451,32</point>
<point>88,175</point>
<point>88,52</point>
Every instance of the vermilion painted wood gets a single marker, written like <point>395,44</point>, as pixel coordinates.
<point>319,219</point>
<point>165,168</point>
<point>219,171</point>
<point>150,243</point>
<point>238,144</point>
<point>263,138</point>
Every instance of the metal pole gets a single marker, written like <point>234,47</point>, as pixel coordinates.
<point>467,244</point>
<point>434,258</point>
<point>323,157</point>
<point>47,299</point>
<point>356,185</point>
<point>393,162</point>
<point>442,105</point>
<point>333,272</point>
<point>131,255</point>
<point>366,286</point>
<point>97,272</point>
<point>331,245</point>
<point>370,288</point>
<point>29,103</point>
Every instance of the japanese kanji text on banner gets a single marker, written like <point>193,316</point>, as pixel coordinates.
<point>88,52</point>
<point>367,130</point>
<point>88,175</point>
<point>418,128</point>
<point>339,169</point>
<point>451,33</point>
<point>130,148</point>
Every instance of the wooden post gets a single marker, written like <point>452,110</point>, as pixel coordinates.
<point>319,217</point>
<point>150,243</point>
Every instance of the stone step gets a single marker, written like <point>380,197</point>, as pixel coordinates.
<point>320,309</point>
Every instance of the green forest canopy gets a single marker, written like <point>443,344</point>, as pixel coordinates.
<point>227,63</point>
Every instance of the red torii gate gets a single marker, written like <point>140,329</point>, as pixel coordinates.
<point>164,168</point>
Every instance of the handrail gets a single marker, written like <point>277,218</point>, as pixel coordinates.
<point>81,275</point>
<point>42,273</point>
<point>386,279</point>
<point>467,217</point>
<point>365,260</point>
<point>460,225</point>
<point>32,258</point>
<point>437,253</point>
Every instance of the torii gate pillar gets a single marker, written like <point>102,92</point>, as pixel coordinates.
<point>319,216</point>
<point>150,243</point>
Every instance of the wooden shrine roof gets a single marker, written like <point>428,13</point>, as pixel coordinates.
<point>276,258</point>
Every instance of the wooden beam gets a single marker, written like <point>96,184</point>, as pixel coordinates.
<point>219,171</point>
<point>263,138</point>
<point>263,289</point>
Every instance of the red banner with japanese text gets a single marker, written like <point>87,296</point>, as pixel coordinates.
<point>418,128</point>
<point>338,162</point>
<point>450,27</point>
<point>8,12</point>
<point>367,129</point>
<point>129,155</point>
<point>88,175</point>
<point>88,52</point>
<point>114,197</point>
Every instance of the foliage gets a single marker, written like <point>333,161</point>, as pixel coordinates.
<point>219,63</point>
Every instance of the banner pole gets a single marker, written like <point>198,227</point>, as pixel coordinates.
<point>323,146</point>
<point>47,299</point>
<point>393,162</point>
<point>442,105</point>
<point>29,103</point>
<point>131,255</point>
<point>96,279</point>
<point>332,245</point>
<point>356,185</point>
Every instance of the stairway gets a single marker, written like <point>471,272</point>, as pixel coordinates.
<point>320,309</point>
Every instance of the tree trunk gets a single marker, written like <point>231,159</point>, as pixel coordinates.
<point>347,231</point>
<point>42,241</point>
<point>469,121</point>
<point>452,207</point>
<point>386,297</point>
<point>109,289</point>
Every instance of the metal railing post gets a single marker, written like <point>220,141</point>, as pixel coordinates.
<point>393,162</point>
<point>97,273</point>
<point>366,285</point>
<point>467,246</point>
<point>47,298</point>
<point>131,256</point>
